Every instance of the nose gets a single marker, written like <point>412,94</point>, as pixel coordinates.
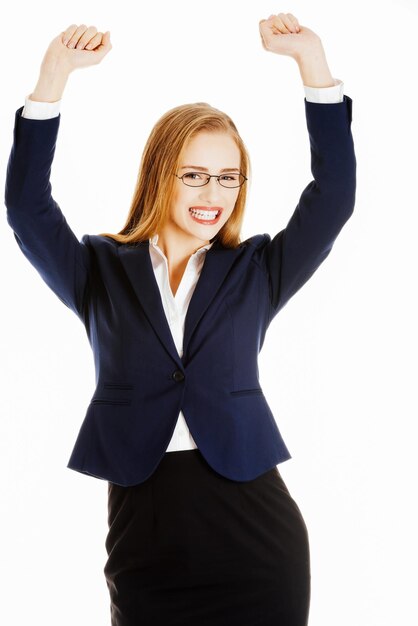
<point>211,191</point>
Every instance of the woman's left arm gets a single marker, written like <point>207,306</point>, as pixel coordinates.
<point>295,253</point>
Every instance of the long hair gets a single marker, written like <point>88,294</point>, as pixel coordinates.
<point>150,206</point>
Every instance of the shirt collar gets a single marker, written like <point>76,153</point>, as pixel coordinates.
<point>154,242</point>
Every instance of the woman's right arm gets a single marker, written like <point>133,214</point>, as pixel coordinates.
<point>39,226</point>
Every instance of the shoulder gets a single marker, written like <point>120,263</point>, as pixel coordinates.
<point>247,246</point>
<point>252,249</point>
<point>257,241</point>
<point>100,242</point>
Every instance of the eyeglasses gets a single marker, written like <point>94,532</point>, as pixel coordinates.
<point>198,179</point>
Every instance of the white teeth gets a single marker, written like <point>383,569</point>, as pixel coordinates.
<point>205,215</point>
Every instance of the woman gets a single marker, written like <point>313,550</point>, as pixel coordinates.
<point>202,528</point>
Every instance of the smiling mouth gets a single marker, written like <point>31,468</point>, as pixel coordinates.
<point>205,215</point>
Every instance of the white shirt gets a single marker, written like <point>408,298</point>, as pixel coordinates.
<point>175,307</point>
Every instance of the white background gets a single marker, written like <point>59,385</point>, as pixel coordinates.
<point>339,364</point>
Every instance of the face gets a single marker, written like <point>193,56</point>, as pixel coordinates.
<point>207,152</point>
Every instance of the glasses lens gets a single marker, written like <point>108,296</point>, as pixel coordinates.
<point>195,179</point>
<point>231,180</point>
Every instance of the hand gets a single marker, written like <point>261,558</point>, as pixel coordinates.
<point>282,34</point>
<point>76,47</point>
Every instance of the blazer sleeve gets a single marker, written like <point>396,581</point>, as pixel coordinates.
<point>39,226</point>
<point>296,252</point>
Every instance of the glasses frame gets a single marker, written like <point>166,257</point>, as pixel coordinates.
<point>217,176</point>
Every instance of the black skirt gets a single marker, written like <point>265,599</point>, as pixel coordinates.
<point>191,547</point>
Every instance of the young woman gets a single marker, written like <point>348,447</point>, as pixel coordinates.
<point>202,528</point>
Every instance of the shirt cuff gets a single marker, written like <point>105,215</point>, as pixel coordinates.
<point>41,110</point>
<point>325,95</point>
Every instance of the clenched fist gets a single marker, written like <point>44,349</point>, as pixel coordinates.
<point>76,47</point>
<point>282,34</point>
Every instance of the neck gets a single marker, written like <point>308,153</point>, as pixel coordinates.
<point>178,247</point>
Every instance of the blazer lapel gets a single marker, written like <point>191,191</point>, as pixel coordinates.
<point>137,264</point>
<point>215,268</point>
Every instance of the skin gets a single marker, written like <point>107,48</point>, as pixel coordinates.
<point>82,46</point>
<point>181,236</point>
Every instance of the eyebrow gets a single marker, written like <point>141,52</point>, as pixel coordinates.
<point>204,169</point>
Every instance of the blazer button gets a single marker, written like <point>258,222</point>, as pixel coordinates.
<point>178,376</point>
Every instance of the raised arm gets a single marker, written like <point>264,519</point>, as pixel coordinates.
<point>39,225</point>
<point>295,253</point>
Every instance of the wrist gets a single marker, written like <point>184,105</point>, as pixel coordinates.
<point>51,84</point>
<point>313,66</point>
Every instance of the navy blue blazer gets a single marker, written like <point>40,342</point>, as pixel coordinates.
<point>141,382</point>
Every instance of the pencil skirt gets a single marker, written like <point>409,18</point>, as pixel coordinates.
<point>189,546</point>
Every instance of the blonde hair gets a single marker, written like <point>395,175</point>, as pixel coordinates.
<point>150,206</point>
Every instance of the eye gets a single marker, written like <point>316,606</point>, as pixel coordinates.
<point>191,175</point>
<point>230,177</point>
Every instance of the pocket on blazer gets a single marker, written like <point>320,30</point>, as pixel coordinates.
<point>118,401</point>
<point>247,392</point>
<point>109,397</point>
<point>117,386</point>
